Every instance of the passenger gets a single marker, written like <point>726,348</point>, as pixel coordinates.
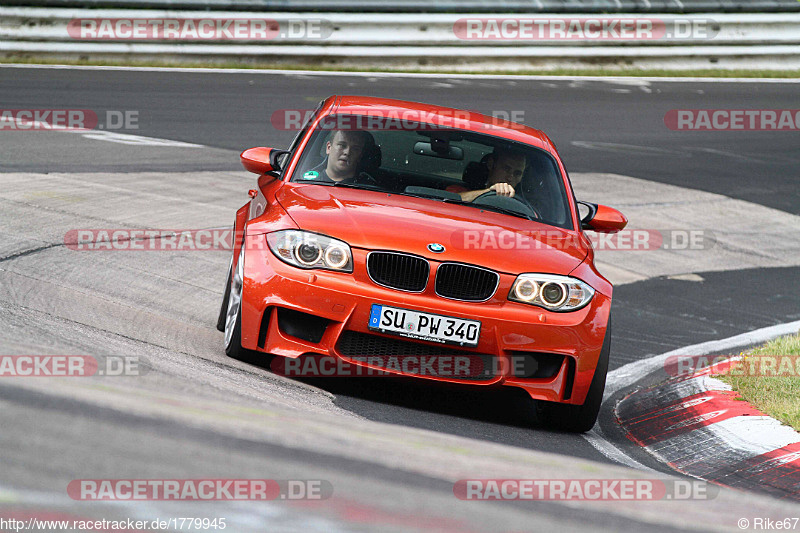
<point>344,151</point>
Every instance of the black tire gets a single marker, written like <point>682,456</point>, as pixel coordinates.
<point>234,349</point>
<point>233,337</point>
<point>580,418</point>
<point>224,307</point>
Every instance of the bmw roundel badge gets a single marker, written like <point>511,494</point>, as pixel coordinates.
<point>436,248</point>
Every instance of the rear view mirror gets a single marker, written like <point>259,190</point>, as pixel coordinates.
<point>445,152</point>
<point>261,160</point>
<point>602,218</point>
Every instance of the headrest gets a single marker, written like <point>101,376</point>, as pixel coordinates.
<point>371,157</point>
<point>475,175</point>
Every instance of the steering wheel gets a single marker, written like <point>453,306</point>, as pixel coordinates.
<point>363,179</point>
<point>518,198</point>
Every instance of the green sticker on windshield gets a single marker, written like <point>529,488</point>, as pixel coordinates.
<point>311,175</point>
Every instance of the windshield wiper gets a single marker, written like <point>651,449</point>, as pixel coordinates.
<point>364,186</point>
<point>425,196</point>
<point>351,185</point>
<point>470,204</point>
<point>494,208</point>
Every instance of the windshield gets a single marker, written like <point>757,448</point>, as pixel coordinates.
<point>474,169</point>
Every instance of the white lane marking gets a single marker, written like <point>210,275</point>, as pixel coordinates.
<point>637,82</point>
<point>628,148</point>
<point>695,278</point>
<point>110,136</point>
<point>725,154</point>
<point>620,79</point>
<point>138,140</point>
<point>598,440</point>
<point>628,375</point>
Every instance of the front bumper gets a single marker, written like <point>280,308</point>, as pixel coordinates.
<point>509,330</point>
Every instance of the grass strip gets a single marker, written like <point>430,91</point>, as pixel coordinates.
<point>769,379</point>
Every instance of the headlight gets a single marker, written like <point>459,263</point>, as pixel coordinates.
<point>310,250</point>
<point>556,293</point>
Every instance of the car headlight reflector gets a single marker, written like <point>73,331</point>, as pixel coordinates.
<point>308,253</point>
<point>336,256</point>
<point>553,294</point>
<point>556,293</point>
<point>310,250</point>
<point>526,290</point>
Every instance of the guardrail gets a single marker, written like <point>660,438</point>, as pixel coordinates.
<point>420,41</point>
<point>442,6</point>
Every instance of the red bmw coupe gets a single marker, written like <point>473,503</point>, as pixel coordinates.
<point>424,241</point>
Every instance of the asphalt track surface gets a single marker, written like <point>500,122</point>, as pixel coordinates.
<point>100,306</point>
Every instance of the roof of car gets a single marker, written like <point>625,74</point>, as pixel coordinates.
<point>439,115</point>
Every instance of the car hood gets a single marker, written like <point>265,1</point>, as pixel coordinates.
<point>381,221</point>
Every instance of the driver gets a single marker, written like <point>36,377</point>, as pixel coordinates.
<point>344,151</point>
<point>505,172</point>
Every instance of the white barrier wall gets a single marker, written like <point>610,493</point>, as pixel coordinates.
<point>424,41</point>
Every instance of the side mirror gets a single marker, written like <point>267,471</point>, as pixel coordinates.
<point>602,218</point>
<point>261,160</point>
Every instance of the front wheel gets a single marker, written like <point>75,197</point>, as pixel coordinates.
<point>233,314</point>
<point>223,309</point>
<point>580,418</point>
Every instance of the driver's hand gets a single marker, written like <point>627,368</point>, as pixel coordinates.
<point>503,189</point>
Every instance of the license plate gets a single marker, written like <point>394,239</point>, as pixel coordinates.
<point>424,326</point>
